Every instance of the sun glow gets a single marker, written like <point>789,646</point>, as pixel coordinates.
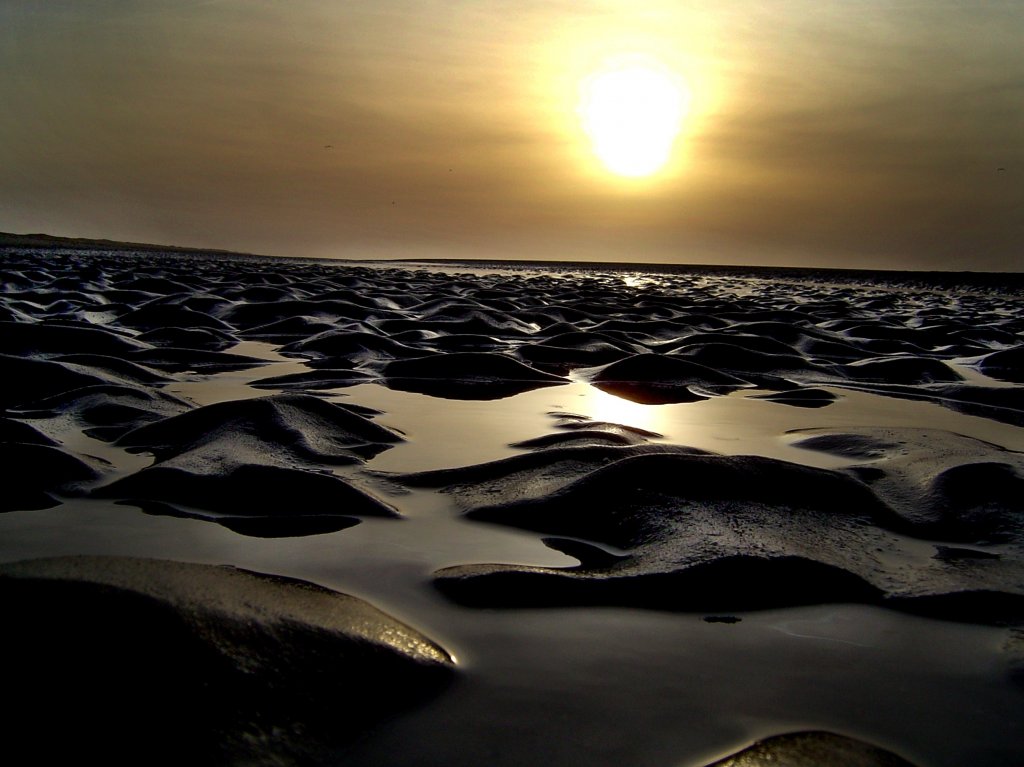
<point>632,110</point>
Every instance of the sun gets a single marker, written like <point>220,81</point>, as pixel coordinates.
<point>632,111</point>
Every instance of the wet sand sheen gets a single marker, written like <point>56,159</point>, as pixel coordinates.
<point>749,512</point>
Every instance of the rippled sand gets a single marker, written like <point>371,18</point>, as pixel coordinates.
<point>566,516</point>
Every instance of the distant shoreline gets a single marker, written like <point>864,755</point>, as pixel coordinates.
<point>1006,282</point>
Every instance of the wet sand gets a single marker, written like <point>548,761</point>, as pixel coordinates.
<point>685,518</point>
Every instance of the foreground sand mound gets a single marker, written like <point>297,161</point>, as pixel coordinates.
<point>143,661</point>
<point>700,532</point>
<point>812,749</point>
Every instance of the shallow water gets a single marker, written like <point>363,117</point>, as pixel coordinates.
<point>598,686</point>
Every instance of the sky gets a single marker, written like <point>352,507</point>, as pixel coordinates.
<point>822,133</point>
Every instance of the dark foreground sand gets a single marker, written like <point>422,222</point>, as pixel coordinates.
<point>263,511</point>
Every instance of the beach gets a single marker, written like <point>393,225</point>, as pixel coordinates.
<point>358,513</point>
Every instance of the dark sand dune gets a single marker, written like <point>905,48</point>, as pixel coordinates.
<point>154,316</point>
<point>178,360</point>
<point>28,380</point>
<point>265,500</point>
<point>467,375</point>
<point>659,379</point>
<point>725,534</point>
<point>257,458</point>
<point>107,411</point>
<point>247,316</point>
<point>208,339</point>
<point>810,397</point>
<point>22,338</point>
<point>36,472</point>
<point>312,380</point>
<point>562,359</point>
<point>530,476</point>
<point>198,664</point>
<point>351,346</point>
<point>902,370</point>
<point>812,749</point>
<point>115,368</point>
<point>287,330</point>
<point>1006,365</point>
<point>944,486</point>
<point>302,427</point>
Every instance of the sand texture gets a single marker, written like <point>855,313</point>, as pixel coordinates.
<point>620,517</point>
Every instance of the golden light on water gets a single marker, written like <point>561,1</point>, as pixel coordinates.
<point>602,406</point>
<point>632,109</point>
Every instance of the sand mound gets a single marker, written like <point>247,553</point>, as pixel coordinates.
<point>1006,365</point>
<point>902,370</point>
<point>198,664</point>
<point>810,397</point>
<point>353,346</point>
<point>657,378</point>
<point>298,425</point>
<point>35,473</point>
<point>466,375</point>
<point>207,339</point>
<point>721,534</point>
<point>107,411</point>
<point>812,749</point>
<point>287,498</point>
<point>257,458</point>
<point>25,338</point>
<point>27,379</point>
<point>943,486</point>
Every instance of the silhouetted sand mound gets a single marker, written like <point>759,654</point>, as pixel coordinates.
<point>944,486</point>
<point>299,426</point>
<point>569,351</point>
<point>257,458</point>
<point>35,338</point>
<point>208,339</point>
<point>154,315</point>
<point>136,660</point>
<point>312,380</point>
<point>27,380</point>
<point>532,476</point>
<point>741,361</point>
<point>657,378</point>
<point>290,501</point>
<point>1006,365</point>
<point>716,534</point>
<point>107,411</point>
<point>351,346</point>
<point>34,472</point>
<point>902,370</point>
<point>467,375</point>
<point>812,749</point>
<point>810,397</point>
<point>176,360</point>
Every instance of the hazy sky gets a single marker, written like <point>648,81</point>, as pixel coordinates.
<point>849,134</point>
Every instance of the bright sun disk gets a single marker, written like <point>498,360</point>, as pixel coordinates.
<point>632,112</point>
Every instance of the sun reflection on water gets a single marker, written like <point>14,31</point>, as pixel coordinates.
<point>602,406</point>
